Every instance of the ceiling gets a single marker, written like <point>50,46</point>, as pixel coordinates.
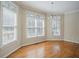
<point>58,7</point>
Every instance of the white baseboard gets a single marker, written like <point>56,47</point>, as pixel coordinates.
<point>72,41</point>
<point>32,43</point>
<point>11,52</point>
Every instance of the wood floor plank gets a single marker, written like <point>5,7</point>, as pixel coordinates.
<point>47,49</point>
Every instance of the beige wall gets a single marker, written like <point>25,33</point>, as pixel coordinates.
<point>71,26</point>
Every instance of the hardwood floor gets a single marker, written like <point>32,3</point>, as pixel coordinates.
<point>48,49</point>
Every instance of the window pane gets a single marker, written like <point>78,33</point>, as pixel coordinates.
<point>31,22</point>
<point>35,24</point>
<point>40,23</point>
<point>56,25</point>
<point>8,37</point>
<point>30,32</point>
<point>9,17</point>
<point>8,28</point>
<point>39,31</point>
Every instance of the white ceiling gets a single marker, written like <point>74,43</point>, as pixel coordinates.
<point>59,7</point>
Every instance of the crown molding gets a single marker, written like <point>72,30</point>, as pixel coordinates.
<point>75,11</point>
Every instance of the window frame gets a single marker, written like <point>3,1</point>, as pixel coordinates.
<point>0,25</point>
<point>14,32</point>
<point>56,26</point>
<point>36,26</point>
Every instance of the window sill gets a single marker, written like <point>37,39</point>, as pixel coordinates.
<point>35,36</point>
<point>5,44</point>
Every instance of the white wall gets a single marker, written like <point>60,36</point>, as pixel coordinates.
<point>71,26</point>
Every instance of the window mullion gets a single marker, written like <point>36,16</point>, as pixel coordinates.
<point>35,26</point>
<point>0,25</point>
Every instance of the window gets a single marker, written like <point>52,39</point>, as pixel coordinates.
<point>9,23</point>
<point>56,25</point>
<point>35,25</point>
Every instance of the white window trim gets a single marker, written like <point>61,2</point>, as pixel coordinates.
<point>0,25</point>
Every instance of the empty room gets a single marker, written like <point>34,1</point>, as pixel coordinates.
<point>39,29</point>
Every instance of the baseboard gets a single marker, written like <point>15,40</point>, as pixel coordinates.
<point>64,41</point>
<point>33,43</point>
<point>11,52</point>
<point>72,41</point>
<point>55,40</point>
